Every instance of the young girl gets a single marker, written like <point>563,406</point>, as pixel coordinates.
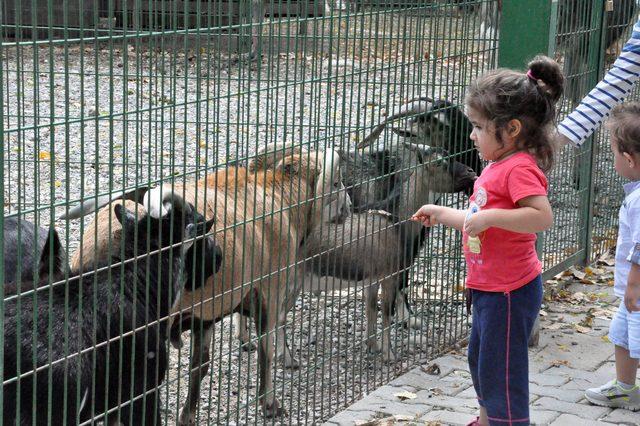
<point>512,115</point>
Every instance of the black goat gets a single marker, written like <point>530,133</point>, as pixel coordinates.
<point>96,344</point>
<point>439,124</point>
<point>26,249</point>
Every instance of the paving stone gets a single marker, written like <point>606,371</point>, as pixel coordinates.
<point>426,397</point>
<point>454,418</point>
<point>608,368</point>
<point>573,420</point>
<point>416,379</point>
<point>400,407</point>
<point>349,417</point>
<point>556,392</point>
<point>449,363</point>
<point>544,379</point>
<point>623,417</point>
<point>574,374</point>
<point>578,409</point>
<point>542,417</point>
<point>587,356</point>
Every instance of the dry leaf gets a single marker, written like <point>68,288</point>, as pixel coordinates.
<point>433,369</point>
<point>581,329</point>
<point>44,155</point>
<point>58,184</point>
<point>404,395</point>
<point>558,363</point>
<point>605,338</point>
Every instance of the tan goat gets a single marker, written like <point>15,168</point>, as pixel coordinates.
<point>261,217</point>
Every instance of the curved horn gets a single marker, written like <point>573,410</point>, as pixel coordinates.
<point>413,107</point>
<point>159,201</point>
<point>269,156</point>
<point>93,204</point>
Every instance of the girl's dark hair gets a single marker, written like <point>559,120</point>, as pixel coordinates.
<point>624,126</point>
<point>503,95</point>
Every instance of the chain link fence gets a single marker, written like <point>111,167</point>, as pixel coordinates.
<point>249,115</point>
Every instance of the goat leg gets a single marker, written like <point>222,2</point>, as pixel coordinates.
<point>241,332</point>
<point>404,314</point>
<point>388,298</point>
<point>372,317</point>
<point>201,334</point>
<point>282,345</point>
<point>265,319</point>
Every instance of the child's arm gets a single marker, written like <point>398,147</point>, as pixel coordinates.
<point>430,215</point>
<point>534,215</point>
<point>632,294</point>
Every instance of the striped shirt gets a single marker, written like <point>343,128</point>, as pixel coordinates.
<point>614,87</point>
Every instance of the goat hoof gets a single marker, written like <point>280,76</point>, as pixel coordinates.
<point>389,357</point>
<point>534,340</point>
<point>186,419</point>
<point>273,410</point>
<point>248,347</point>
<point>291,363</point>
<point>177,343</point>
<point>414,323</point>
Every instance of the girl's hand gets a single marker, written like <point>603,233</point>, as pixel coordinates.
<point>476,223</point>
<point>426,215</point>
<point>632,298</point>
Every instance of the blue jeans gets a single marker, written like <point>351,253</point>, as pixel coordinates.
<point>498,351</point>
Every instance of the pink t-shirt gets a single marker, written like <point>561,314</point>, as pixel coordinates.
<point>507,260</point>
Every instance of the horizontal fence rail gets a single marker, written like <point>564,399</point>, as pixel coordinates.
<point>206,204</point>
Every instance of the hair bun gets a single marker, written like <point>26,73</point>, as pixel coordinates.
<point>549,76</point>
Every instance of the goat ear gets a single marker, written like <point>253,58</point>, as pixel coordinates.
<point>52,247</point>
<point>289,165</point>
<point>125,217</point>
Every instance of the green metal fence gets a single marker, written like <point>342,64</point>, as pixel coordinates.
<point>105,96</point>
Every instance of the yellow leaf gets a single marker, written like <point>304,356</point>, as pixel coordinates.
<point>44,155</point>
<point>203,143</point>
<point>605,338</point>
<point>405,395</point>
<point>58,184</point>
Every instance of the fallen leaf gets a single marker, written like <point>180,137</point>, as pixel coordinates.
<point>44,155</point>
<point>581,329</point>
<point>559,362</point>
<point>433,369</point>
<point>435,391</point>
<point>605,338</point>
<point>404,395</point>
<point>58,184</point>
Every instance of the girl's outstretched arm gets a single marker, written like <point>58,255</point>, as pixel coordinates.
<point>431,214</point>
<point>534,215</point>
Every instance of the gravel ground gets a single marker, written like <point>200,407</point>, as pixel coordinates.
<point>82,119</point>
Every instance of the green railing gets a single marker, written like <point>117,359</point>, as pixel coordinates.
<point>105,96</point>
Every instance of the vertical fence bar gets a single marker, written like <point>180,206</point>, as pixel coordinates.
<point>596,57</point>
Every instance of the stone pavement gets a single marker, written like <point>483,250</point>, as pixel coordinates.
<point>573,354</point>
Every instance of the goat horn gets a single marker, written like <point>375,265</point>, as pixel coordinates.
<point>159,201</point>
<point>93,204</point>
<point>269,156</point>
<point>413,107</point>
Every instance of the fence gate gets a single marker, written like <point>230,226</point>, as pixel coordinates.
<point>229,110</point>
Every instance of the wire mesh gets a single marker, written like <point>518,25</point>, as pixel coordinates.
<point>104,97</point>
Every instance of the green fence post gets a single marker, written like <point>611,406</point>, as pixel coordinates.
<point>596,62</point>
<point>527,28</point>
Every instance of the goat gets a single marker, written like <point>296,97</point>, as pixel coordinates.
<point>575,39</point>
<point>439,124</point>
<point>24,243</point>
<point>106,357</point>
<point>263,214</point>
<point>336,250</point>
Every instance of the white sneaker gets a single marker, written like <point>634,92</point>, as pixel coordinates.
<point>614,396</point>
